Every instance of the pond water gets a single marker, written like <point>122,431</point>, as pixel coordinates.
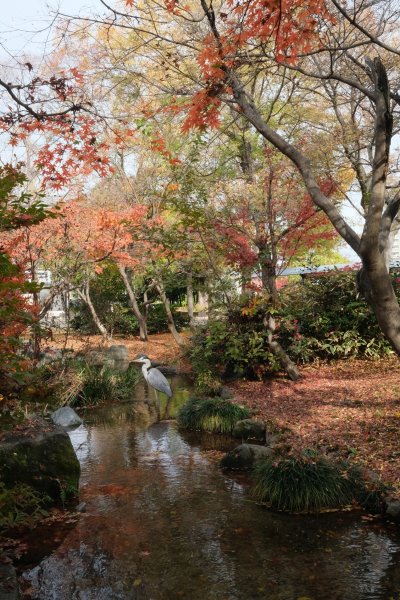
<point>163,522</point>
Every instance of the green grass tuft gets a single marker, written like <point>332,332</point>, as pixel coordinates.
<point>104,384</point>
<point>300,485</point>
<point>211,414</point>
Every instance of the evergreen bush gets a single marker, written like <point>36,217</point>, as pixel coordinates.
<point>326,317</point>
<point>321,318</point>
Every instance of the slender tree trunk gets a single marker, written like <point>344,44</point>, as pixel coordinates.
<point>84,294</point>
<point>170,318</point>
<point>279,352</point>
<point>134,305</point>
<point>268,278</point>
<point>146,307</point>
<point>190,298</point>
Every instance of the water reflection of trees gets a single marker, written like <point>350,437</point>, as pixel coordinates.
<point>156,502</point>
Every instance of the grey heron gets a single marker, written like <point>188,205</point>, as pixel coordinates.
<point>153,376</point>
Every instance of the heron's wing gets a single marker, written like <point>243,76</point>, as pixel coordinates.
<point>158,381</point>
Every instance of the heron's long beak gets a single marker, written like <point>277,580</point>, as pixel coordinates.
<point>137,360</point>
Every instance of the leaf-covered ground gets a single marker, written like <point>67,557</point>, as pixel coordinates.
<point>161,347</point>
<point>350,408</point>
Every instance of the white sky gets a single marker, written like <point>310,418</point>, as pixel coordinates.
<point>20,21</point>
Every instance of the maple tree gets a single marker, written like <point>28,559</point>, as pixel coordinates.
<point>155,245</point>
<point>56,112</point>
<point>211,58</point>
<point>17,210</point>
<point>267,222</point>
<point>73,246</point>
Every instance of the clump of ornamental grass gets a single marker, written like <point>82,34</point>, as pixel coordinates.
<point>214,415</point>
<point>103,384</point>
<point>301,485</point>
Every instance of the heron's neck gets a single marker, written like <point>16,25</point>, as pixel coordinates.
<point>145,366</point>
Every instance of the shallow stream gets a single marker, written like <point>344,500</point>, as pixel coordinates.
<point>163,522</point>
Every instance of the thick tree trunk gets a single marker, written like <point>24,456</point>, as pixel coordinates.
<point>170,318</point>
<point>376,285</point>
<point>375,281</point>
<point>85,296</point>
<point>134,304</point>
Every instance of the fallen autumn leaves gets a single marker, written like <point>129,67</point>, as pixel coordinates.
<point>350,408</point>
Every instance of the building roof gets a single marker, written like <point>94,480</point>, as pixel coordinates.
<point>394,264</point>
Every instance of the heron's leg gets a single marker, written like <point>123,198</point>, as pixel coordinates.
<point>158,405</point>
<point>167,409</point>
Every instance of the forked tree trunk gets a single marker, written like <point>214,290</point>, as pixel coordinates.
<point>134,305</point>
<point>170,317</point>
<point>84,294</point>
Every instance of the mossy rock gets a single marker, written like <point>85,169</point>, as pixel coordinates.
<point>42,457</point>
<point>250,429</point>
<point>245,457</point>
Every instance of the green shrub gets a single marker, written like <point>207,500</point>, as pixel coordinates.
<point>207,384</point>
<point>320,318</point>
<point>211,414</point>
<point>157,321</point>
<point>325,317</point>
<point>20,505</point>
<point>236,344</point>
<point>300,485</point>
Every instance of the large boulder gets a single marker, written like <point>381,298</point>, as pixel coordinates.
<point>40,455</point>
<point>245,456</point>
<point>115,357</point>
<point>66,417</point>
<point>249,429</point>
<point>118,352</point>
